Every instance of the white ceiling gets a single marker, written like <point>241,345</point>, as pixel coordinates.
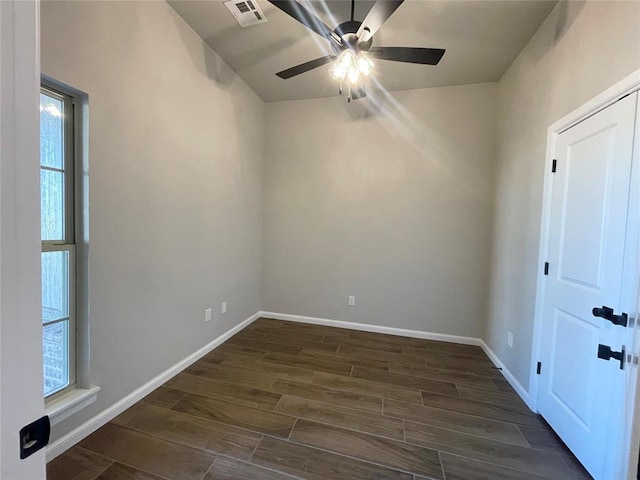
<point>482,38</point>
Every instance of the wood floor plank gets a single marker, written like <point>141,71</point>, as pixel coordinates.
<point>164,397</point>
<point>392,339</point>
<point>507,455</point>
<point>400,359</point>
<point>301,342</point>
<point>276,369</point>
<point>460,422</point>
<point>264,321</point>
<point>578,472</point>
<point>510,400</point>
<point>340,398</point>
<point>544,439</point>
<point>302,330</point>
<point>406,381</point>
<point>295,327</point>
<point>462,468</point>
<point>149,454</point>
<point>313,464</point>
<point>307,363</point>
<point>444,357</point>
<point>266,346</point>
<point>231,469</point>
<point>504,386</point>
<point>366,387</point>
<point>218,356</point>
<point>193,431</point>
<point>351,419</point>
<point>372,344</point>
<point>390,453</point>
<point>249,335</point>
<point>271,330</point>
<point>462,378</point>
<point>447,347</point>
<point>117,471</point>
<point>77,464</point>
<point>502,413</point>
<point>284,400</point>
<point>236,415</point>
<point>225,373</point>
<point>463,363</point>
<point>346,359</point>
<point>251,397</point>
<point>239,350</point>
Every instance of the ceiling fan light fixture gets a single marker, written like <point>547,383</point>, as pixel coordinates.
<point>351,66</point>
<point>365,65</point>
<point>354,75</point>
<point>337,72</point>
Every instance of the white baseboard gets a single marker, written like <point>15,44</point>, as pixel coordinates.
<point>90,426</point>
<point>414,334</point>
<point>367,327</point>
<point>509,376</point>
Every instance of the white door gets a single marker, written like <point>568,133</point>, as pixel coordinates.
<point>21,389</point>
<point>580,395</point>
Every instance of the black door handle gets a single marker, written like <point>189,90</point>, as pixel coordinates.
<point>607,313</point>
<point>605,353</point>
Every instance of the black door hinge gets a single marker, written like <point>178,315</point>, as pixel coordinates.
<point>546,268</point>
<point>554,165</point>
<point>34,436</point>
<point>538,367</point>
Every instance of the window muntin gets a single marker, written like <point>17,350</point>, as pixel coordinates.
<point>58,240</point>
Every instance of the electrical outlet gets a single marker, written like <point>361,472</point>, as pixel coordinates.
<point>352,300</point>
<point>510,339</point>
<point>224,307</point>
<point>207,315</point>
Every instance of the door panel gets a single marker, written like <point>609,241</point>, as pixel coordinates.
<point>585,196</point>
<point>588,222</point>
<point>584,334</point>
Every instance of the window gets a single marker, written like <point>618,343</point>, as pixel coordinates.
<point>58,240</point>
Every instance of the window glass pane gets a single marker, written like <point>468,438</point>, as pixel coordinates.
<point>52,205</point>
<point>51,132</point>
<point>55,286</point>
<point>56,356</point>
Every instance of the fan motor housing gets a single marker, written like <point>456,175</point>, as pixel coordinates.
<point>347,32</point>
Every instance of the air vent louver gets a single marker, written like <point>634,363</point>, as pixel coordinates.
<point>246,12</point>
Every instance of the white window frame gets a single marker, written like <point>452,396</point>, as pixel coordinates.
<point>66,244</point>
<point>81,392</point>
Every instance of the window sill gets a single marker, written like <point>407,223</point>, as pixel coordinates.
<point>70,403</point>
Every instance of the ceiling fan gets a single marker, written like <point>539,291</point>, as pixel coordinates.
<point>352,44</point>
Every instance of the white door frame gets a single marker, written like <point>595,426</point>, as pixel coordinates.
<point>624,87</point>
<point>21,396</point>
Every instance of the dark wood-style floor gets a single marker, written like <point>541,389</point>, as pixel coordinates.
<point>283,400</point>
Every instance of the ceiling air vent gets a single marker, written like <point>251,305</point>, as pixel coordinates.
<point>246,12</point>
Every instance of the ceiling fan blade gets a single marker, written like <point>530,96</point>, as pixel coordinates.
<point>425,56</point>
<point>379,13</point>
<point>305,17</point>
<point>305,67</point>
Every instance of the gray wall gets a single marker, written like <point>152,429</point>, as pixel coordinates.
<point>175,186</point>
<point>579,51</point>
<point>393,206</point>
